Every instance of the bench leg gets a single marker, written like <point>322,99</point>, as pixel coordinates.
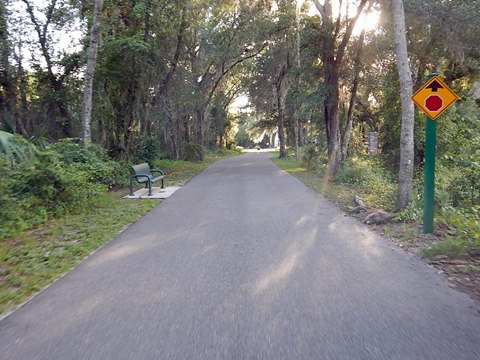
<point>131,186</point>
<point>149,188</point>
<point>163,185</point>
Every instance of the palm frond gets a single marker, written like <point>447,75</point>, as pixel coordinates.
<point>14,147</point>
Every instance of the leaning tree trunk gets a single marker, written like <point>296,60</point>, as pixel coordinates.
<point>91,61</point>
<point>405,173</point>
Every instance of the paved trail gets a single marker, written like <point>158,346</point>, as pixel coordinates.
<point>245,262</point>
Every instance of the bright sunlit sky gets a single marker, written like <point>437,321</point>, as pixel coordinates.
<point>65,40</point>
<point>369,21</point>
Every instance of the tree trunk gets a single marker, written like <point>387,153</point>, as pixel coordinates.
<point>163,93</point>
<point>131,120</point>
<point>281,90</point>
<point>297,76</point>
<point>8,91</point>
<point>199,133</point>
<point>24,111</point>
<point>58,106</point>
<point>171,129</point>
<point>89,72</point>
<point>281,134</point>
<point>405,173</point>
<point>102,133</point>
<point>332,57</point>
<point>353,97</point>
<point>332,124</point>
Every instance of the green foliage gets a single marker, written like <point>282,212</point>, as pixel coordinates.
<point>466,224</point>
<point>414,211</point>
<point>315,158</point>
<point>368,175</point>
<point>61,179</point>
<point>213,153</point>
<point>311,154</point>
<point>242,138</point>
<point>190,151</point>
<point>452,247</point>
<point>458,172</point>
<point>179,172</point>
<point>93,163</point>
<point>148,150</point>
<point>14,148</point>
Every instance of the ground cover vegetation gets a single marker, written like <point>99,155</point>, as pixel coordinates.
<point>89,87</point>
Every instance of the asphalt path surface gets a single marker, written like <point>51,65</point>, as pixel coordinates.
<point>246,262</point>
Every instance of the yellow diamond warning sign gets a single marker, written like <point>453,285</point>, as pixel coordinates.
<point>434,97</point>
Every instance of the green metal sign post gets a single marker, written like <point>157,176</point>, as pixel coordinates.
<point>434,97</point>
<point>429,178</point>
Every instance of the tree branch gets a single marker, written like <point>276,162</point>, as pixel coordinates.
<point>42,35</point>
<point>348,32</point>
<point>320,9</point>
<point>229,68</point>
<point>176,56</point>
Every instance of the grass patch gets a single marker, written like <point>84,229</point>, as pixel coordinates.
<point>340,195</point>
<point>452,247</point>
<point>465,224</point>
<point>39,256</point>
<point>403,232</point>
<point>36,258</point>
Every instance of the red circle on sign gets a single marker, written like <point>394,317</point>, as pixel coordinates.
<point>433,103</point>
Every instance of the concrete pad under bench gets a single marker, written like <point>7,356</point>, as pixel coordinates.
<point>157,193</point>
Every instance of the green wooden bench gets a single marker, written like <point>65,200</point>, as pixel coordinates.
<point>144,175</point>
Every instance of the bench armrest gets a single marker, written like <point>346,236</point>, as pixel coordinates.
<point>149,177</point>
<point>157,170</point>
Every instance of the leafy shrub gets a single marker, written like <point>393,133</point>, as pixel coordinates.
<point>94,162</point>
<point>190,151</point>
<point>414,210</point>
<point>458,169</point>
<point>369,176</point>
<point>315,158</point>
<point>466,224</point>
<point>14,148</point>
<point>61,179</point>
<point>148,150</point>
<point>459,183</point>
